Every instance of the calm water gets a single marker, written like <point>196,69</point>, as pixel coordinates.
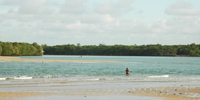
<point>142,68</point>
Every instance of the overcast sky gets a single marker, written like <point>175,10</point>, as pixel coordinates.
<point>91,22</point>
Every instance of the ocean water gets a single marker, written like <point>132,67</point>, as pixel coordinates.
<point>142,68</point>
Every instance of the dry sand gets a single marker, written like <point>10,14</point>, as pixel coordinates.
<point>13,59</point>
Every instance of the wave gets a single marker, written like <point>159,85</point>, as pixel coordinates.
<point>67,78</point>
<point>17,78</point>
<point>52,78</point>
<point>160,76</point>
<point>2,78</point>
<point>47,76</point>
<point>94,79</point>
<point>23,77</point>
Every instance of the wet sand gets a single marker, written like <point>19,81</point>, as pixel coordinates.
<point>104,90</point>
<point>17,59</point>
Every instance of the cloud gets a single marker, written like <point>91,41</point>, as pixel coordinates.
<point>34,7</point>
<point>31,7</point>
<point>187,20</point>
<point>115,8</point>
<point>90,22</point>
<point>180,26</point>
<point>74,7</point>
<point>182,8</point>
<point>11,2</point>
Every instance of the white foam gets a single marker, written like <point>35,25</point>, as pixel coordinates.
<point>2,78</point>
<point>160,76</point>
<point>23,77</point>
<point>48,76</point>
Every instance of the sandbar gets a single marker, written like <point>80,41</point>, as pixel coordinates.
<point>18,59</point>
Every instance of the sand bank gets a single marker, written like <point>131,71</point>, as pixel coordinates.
<point>21,94</point>
<point>177,93</point>
<point>13,59</point>
<point>107,90</point>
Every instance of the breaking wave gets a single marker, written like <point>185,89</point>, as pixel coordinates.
<point>160,76</point>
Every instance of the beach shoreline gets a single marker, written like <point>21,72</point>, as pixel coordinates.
<point>18,59</point>
<point>100,90</point>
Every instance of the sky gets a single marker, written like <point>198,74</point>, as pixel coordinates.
<point>94,22</point>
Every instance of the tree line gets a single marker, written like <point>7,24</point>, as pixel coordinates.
<point>26,49</point>
<point>20,49</point>
<point>124,50</point>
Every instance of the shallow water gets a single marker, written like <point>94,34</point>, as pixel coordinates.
<point>142,68</point>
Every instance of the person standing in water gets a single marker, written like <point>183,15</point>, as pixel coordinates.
<point>127,71</point>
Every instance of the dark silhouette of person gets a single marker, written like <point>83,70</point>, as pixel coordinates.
<point>127,71</point>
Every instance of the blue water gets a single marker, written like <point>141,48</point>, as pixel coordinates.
<point>142,68</point>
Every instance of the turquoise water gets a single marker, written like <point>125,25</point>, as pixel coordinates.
<point>142,68</point>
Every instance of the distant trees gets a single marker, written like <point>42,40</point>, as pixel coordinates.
<point>0,48</point>
<point>20,49</point>
<point>26,49</point>
<point>124,50</point>
<point>189,50</point>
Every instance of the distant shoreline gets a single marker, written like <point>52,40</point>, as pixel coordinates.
<point>128,55</point>
<point>124,50</point>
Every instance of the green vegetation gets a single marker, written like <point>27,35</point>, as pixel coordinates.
<point>124,50</point>
<point>26,49</point>
<point>20,49</point>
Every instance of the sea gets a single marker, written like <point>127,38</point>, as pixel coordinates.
<point>142,68</point>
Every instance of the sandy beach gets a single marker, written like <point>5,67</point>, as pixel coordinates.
<point>13,59</point>
<point>107,90</point>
